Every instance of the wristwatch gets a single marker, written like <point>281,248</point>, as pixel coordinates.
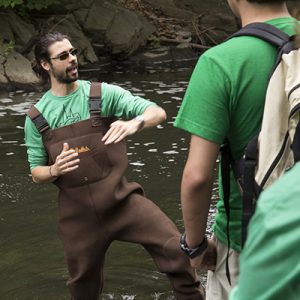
<point>141,120</point>
<point>192,252</point>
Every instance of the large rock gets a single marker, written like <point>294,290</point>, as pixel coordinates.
<point>203,7</point>
<point>6,33</point>
<point>96,26</point>
<point>15,69</point>
<point>69,26</point>
<point>120,29</point>
<point>172,9</point>
<point>127,33</point>
<point>15,28</point>
<point>3,79</point>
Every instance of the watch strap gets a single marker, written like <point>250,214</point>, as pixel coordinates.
<point>192,252</point>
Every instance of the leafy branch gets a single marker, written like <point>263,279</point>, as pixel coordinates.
<point>28,4</point>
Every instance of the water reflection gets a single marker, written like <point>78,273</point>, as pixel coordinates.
<point>31,255</point>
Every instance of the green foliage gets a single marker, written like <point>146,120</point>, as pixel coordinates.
<point>10,3</point>
<point>27,4</point>
<point>8,47</point>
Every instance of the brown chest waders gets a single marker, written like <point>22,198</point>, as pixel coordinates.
<point>97,206</point>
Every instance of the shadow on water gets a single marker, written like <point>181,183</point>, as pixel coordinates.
<point>31,255</point>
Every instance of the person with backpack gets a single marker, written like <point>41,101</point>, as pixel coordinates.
<point>269,263</point>
<point>225,101</point>
<point>76,141</point>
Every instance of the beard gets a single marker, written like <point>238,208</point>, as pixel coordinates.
<point>68,76</point>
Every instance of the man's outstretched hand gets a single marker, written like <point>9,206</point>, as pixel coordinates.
<point>119,130</point>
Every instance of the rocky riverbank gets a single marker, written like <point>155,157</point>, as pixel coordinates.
<point>141,31</point>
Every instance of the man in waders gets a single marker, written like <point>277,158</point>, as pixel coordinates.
<point>75,141</point>
<point>224,99</point>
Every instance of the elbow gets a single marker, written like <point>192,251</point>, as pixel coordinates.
<point>162,115</point>
<point>34,176</point>
<point>195,181</point>
<point>35,180</point>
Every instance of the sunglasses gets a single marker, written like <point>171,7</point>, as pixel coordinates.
<point>65,55</point>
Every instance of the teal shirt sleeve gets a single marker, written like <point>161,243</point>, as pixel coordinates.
<point>269,263</point>
<point>37,155</point>
<point>204,110</point>
<point>121,103</point>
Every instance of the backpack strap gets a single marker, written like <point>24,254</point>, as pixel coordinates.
<point>95,98</point>
<point>38,120</point>
<point>296,144</point>
<point>266,32</point>
<point>249,191</point>
<point>269,33</point>
<point>226,159</point>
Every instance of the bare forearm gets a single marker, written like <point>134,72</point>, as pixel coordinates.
<point>195,208</point>
<point>153,116</point>
<point>119,130</point>
<point>196,187</point>
<point>67,161</point>
<point>43,174</point>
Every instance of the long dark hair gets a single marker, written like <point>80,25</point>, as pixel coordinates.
<point>41,53</point>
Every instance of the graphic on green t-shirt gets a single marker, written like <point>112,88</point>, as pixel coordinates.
<point>69,117</point>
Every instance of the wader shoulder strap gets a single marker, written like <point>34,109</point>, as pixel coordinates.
<point>38,120</point>
<point>95,98</point>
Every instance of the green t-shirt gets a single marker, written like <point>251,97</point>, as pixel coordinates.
<point>62,111</point>
<point>225,98</point>
<point>269,263</point>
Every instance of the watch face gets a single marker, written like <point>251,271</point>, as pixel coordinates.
<point>141,121</point>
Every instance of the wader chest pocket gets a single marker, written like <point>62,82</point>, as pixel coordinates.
<point>94,162</point>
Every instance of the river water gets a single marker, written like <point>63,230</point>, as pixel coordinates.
<point>31,254</point>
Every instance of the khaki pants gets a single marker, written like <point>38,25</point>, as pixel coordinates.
<point>218,287</point>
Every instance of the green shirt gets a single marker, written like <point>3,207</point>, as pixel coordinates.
<point>62,111</point>
<point>225,98</point>
<point>269,263</point>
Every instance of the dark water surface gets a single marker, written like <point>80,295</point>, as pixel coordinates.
<point>31,254</point>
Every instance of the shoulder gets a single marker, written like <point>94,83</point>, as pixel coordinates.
<point>110,87</point>
<point>84,86</point>
<point>228,56</point>
<point>111,90</point>
<point>42,102</point>
<point>236,48</point>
